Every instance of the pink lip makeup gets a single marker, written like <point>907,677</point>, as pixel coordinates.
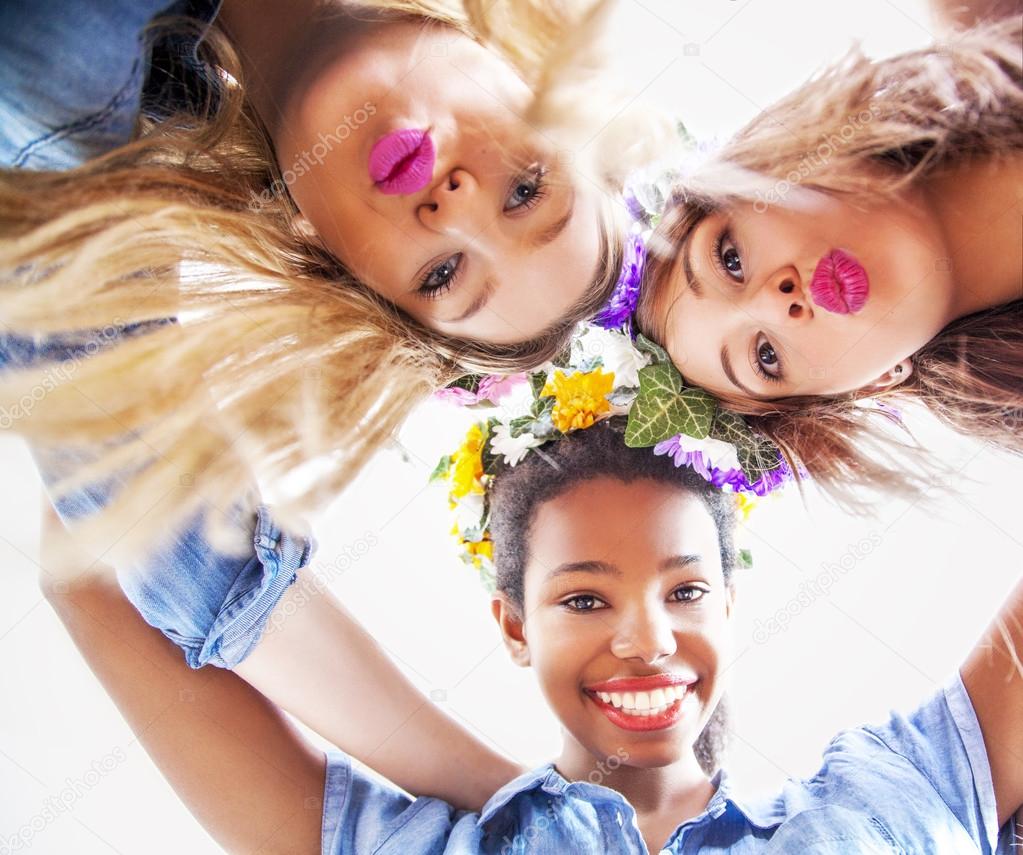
<point>401,162</point>
<point>642,703</point>
<point>840,283</point>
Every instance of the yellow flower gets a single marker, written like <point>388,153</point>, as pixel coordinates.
<point>745,503</point>
<point>579,398</point>
<point>484,548</point>
<point>466,471</point>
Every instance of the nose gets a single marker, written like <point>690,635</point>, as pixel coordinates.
<point>450,207</point>
<point>781,301</point>
<point>645,634</point>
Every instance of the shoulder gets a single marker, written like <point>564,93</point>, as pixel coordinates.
<point>920,779</point>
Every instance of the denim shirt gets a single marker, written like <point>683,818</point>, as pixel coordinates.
<point>72,76</point>
<point>919,783</point>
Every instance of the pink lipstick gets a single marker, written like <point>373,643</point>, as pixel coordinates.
<point>840,283</point>
<point>401,162</point>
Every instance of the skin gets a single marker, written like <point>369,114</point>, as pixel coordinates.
<point>937,253</point>
<point>647,613</point>
<point>524,240</point>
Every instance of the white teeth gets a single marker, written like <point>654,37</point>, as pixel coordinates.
<point>645,703</point>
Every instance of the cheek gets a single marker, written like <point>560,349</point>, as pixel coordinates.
<point>560,650</point>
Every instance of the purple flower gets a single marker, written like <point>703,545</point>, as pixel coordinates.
<point>727,476</point>
<point>622,304</point>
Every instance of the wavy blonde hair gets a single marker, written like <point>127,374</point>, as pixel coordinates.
<point>278,356</point>
<point>886,124</point>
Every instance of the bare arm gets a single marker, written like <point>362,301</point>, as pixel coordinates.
<point>239,766</point>
<point>317,662</point>
<point>993,676</point>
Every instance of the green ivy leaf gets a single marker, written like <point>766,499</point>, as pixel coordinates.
<point>491,462</point>
<point>520,425</point>
<point>664,407</point>
<point>655,351</point>
<point>469,382</point>
<point>745,559</point>
<point>757,454</point>
<point>537,381</point>
<point>440,472</point>
<point>543,407</point>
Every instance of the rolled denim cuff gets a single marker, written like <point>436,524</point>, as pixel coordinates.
<point>215,605</point>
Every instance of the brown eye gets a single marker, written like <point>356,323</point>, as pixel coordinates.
<point>687,594</point>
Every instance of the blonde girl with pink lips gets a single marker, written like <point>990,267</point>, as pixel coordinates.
<point>345,204</point>
<point>860,239</point>
<point>616,583</point>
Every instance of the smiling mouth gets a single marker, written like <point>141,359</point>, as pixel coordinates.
<point>643,710</point>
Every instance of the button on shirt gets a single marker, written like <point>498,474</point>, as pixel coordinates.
<point>919,783</point>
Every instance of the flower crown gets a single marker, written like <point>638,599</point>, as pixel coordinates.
<point>605,373</point>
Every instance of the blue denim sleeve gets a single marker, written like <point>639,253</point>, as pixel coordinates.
<point>71,77</point>
<point>362,814</point>
<point>213,601</point>
<point>943,740</point>
<point>213,604</point>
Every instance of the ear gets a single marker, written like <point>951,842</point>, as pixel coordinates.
<point>512,629</point>
<point>898,373</point>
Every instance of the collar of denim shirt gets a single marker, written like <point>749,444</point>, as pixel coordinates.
<point>760,814</point>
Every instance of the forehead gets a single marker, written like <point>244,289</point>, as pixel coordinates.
<point>636,523</point>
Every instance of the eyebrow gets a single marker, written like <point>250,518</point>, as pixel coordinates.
<point>687,268</point>
<point>484,297</point>
<point>602,568</point>
<point>554,229</point>
<point>726,366</point>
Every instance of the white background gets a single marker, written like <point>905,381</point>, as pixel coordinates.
<point>894,625</point>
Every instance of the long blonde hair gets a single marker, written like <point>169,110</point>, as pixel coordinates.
<point>908,115</point>
<point>277,356</point>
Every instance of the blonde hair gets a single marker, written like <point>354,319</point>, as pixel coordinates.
<point>863,130</point>
<point>277,356</point>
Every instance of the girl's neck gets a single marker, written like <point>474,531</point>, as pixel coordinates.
<point>980,208</point>
<point>680,790</point>
<point>282,44</point>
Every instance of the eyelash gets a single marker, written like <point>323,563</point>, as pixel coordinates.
<point>719,262</point>
<point>537,174</point>
<point>432,292</point>
<point>693,588</point>
<point>758,366</point>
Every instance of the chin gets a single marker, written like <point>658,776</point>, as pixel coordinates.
<point>657,755</point>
